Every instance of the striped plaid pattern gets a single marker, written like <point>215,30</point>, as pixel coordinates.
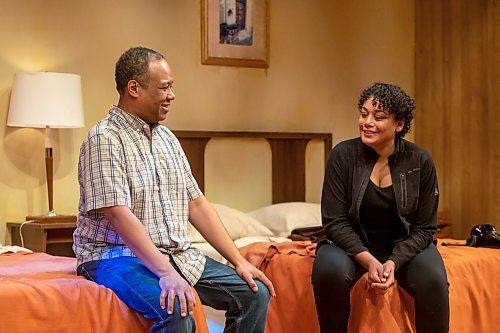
<point>125,162</point>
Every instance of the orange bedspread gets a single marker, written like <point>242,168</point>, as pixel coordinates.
<point>472,274</point>
<point>41,293</point>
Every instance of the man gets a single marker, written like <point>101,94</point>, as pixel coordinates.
<point>137,194</point>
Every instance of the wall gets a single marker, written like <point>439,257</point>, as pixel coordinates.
<point>457,85</point>
<point>322,53</point>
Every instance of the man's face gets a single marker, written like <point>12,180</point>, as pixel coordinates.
<point>154,99</point>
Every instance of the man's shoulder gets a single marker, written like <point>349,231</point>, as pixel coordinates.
<point>109,126</point>
<point>102,129</point>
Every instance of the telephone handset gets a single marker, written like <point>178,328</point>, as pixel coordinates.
<point>484,235</point>
<point>481,235</point>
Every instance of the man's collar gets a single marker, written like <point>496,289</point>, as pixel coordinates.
<point>134,121</point>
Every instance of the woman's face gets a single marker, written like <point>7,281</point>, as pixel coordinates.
<point>377,127</point>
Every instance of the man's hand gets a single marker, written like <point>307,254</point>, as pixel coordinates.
<point>134,234</point>
<point>171,285</point>
<point>204,218</point>
<point>248,273</point>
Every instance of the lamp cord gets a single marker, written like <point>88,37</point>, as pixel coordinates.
<point>21,231</point>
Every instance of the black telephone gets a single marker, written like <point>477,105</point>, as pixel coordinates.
<point>484,235</point>
<point>481,235</point>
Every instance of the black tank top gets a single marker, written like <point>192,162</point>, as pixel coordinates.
<point>379,217</point>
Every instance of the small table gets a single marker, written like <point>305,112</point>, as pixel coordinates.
<point>55,238</point>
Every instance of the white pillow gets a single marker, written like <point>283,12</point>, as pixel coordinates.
<point>237,223</point>
<point>282,218</point>
<point>209,250</point>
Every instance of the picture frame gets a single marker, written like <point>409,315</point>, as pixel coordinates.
<point>235,33</point>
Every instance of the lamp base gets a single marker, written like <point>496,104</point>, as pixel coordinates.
<point>52,219</point>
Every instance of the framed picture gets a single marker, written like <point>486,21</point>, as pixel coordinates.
<point>235,33</point>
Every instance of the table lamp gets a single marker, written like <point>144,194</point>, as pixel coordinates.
<point>47,100</point>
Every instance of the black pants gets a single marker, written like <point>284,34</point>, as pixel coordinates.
<point>424,278</point>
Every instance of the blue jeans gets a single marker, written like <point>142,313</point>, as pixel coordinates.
<point>219,287</point>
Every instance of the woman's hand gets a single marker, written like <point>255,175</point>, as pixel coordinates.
<point>380,277</point>
<point>375,272</point>
<point>387,278</point>
<point>372,265</point>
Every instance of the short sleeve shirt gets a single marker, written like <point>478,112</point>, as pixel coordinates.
<point>124,161</point>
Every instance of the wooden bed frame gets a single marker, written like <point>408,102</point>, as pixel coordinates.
<point>287,149</point>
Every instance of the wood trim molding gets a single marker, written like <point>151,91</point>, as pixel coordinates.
<point>288,157</point>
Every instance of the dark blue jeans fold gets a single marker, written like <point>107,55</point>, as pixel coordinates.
<point>219,287</point>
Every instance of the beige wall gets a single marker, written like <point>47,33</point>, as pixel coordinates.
<point>322,53</point>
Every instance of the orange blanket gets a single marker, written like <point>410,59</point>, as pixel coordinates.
<point>472,274</point>
<point>41,293</point>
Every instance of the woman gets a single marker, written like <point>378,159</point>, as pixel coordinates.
<point>379,207</point>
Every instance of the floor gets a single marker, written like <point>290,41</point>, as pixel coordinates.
<point>215,319</point>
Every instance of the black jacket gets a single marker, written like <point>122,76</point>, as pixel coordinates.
<point>415,186</point>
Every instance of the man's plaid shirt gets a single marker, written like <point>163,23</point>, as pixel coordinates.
<point>125,162</point>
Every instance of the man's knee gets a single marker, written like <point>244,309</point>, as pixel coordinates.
<point>251,302</point>
<point>260,298</point>
<point>262,295</point>
<point>174,322</point>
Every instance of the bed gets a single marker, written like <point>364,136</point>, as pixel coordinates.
<point>41,293</point>
<point>472,272</point>
<point>261,234</point>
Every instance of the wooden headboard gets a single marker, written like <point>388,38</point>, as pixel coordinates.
<point>288,157</point>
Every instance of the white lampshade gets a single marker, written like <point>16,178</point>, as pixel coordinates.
<point>41,99</point>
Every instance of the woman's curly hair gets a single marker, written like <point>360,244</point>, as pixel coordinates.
<point>393,100</point>
<point>134,65</point>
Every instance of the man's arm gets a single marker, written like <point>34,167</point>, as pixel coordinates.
<point>137,239</point>
<point>205,219</point>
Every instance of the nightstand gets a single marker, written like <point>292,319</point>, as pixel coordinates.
<point>54,238</point>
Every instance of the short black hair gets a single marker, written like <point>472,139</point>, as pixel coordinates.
<point>392,99</point>
<point>133,64</point>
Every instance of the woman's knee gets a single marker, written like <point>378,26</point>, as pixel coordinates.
<point>432,282</point>
<point>426,273</point>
